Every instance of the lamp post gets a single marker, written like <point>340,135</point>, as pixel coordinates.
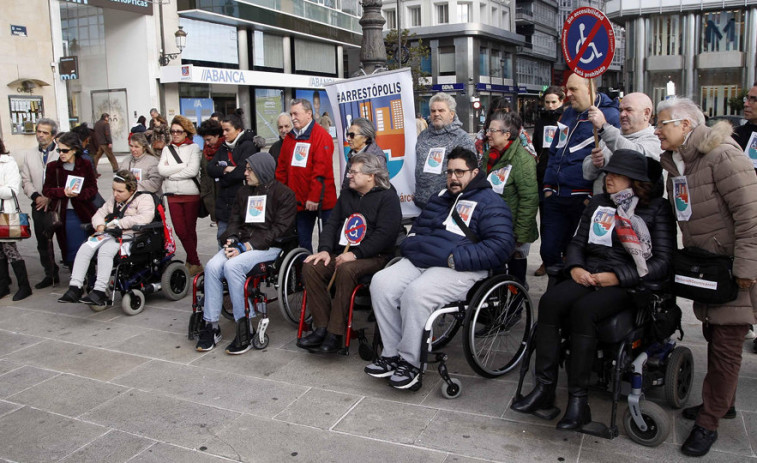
<point>181,42</point>
<point>372,49</point>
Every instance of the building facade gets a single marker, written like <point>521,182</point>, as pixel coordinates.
<point>702,49</point>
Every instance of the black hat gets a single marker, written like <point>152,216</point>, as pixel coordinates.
<point>630,163</point>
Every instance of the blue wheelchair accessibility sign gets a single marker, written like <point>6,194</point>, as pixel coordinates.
<point>588,42</point>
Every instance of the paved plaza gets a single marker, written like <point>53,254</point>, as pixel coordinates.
<point>79,386</point>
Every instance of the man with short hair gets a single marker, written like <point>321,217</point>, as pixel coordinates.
<point>32,180</point>
<point>104,142</point>
<point>463,232</point>
<point>434,145</point>
<point>306,166</point>
<point>154,114</point>
<point>744,133</point>
<point>635,134</point>
<point>284,126</point>
<point>371,195</point>
<point>566,192</point>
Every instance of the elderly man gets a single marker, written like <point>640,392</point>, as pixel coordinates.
<point>371,195</point>
<point>32,178</point>
<point>104,142</point>
<point>434,144</point>
<point>635,134</point>
<point>463,232</point>
<point>565,189</point>
<point>748,132</point>
<point>284,126</point>
<point>306,166</point>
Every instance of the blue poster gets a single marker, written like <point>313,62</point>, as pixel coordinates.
<point>196,110</point>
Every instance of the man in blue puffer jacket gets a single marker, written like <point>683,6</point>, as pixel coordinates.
<point>442,260</point>
<point>566,192</point>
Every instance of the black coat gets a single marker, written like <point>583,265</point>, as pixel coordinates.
<point>596,258</point>
<point>228,183</point>
<point>545,118</point>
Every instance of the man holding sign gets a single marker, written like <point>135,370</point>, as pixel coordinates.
<point>358,239</point>
<point>264,210</point>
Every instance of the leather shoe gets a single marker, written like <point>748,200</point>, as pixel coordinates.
<point>691,413</point>
<point>47,281</point>
<point>314,339</point>
<point>540,271</point>
<point>699,441</point>
<point>542,397</point>
<point>331,344</point>
<point>577,413</point>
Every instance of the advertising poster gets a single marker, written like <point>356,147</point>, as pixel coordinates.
<point>268,105</point>
<point>113,102</point>
<point>387,100</point>
<point>321,106</point>
<point>196,110</point>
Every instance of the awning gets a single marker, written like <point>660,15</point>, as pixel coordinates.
<point>201,75</point>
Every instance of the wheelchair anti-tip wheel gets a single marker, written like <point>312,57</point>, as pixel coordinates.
<point>497,325</point>
<point>657,421</point>
<point>452,391</point>
<point>679,372</point>
<point>290,290</point>
<point>133,302</point>
<point>174,281</point>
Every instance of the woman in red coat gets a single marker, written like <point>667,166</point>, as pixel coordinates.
<point>71,197</point>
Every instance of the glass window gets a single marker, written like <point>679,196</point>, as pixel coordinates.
<point>722,31</point>
<point>426,64</point>
<point>415,16</point>
<point>507,65</point>
<point>391,19</point>
<point>446,61</point>
<point>464,12</point>
<point>442,13</point>
<point>494,64</point>
<point>483,61</point>
<point>533,72</point>
<point>314,56</point>
<point>666,35</point>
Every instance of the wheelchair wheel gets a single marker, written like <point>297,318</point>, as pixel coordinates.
<point>446,326</point>
<point>497,325</point>
<point>227,308</point>
<point>452,391</point>
<point>174,281</point>
<point>657,421</point>
<point>679,372</point>
<point>256,341</point>
<point>133,302</point>
<point>291,285</point>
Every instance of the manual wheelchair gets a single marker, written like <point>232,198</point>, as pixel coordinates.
<point>630,358</point>
<point>283,273</point>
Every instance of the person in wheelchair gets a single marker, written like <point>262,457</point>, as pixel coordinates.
<point>371,195</point>
<point>463,232</point>
<point>115,218</point>
<point>264,210</point>
<point>625,237</point>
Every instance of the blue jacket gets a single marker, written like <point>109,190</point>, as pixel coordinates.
<point>573,142</point>
<point>429,243</point>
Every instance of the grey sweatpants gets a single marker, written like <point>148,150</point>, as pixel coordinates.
<point>404,296</point>
<point>105,255</point>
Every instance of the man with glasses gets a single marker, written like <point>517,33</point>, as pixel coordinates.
<point>264,210</point>
<point>371,195</point>
<point>463,232</point>
<point>32,179</point>
<point>748,132</point>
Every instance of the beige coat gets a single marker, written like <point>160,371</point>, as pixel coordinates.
<point>151,179</point>
<point>33,171</point>
<point>723,192</point>
<point>139,211</point>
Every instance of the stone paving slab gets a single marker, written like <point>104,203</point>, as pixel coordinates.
<point>113,447</point>
<point>22,378</point>
<point>386,420</point>
<point>161,453</point>
<point>318,408</point>
<point>163,346</point>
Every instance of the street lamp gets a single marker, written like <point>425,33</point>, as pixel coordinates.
<point>181,42</point>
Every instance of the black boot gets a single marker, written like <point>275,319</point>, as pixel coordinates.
<point>314,339</point>
<point>547,358</point>
<point>24,289</point>
<point>577,413</point>
<point>5,278</point>
<point>72,295</point>
<point>331,344</point>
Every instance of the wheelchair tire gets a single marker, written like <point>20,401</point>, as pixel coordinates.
<point>679,372</point>
<point>256,341</point>
<point>497,325</point>
<point>174,281</point>
<point>658,425</point>
<point>291,287</point>
<point>133,302</point>
<point>452,391</point>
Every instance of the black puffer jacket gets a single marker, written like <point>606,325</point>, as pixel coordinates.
<point>228,184</point>
<point>597,258</point>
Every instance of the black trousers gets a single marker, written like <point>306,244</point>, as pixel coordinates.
<point>44,244</point>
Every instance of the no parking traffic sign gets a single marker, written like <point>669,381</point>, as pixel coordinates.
<point>588,42</point>
<point>355,229</point>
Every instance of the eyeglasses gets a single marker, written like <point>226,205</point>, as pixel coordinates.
<point>661,124</point>
<point>63,150</point>
<point>352,134</point>
<point>353,172</point>
<point>457,172</point>
<point>177,132</point>
<point>750,98</point>
<point>495,130</point>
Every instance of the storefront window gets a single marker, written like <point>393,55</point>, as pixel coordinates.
<point>666,36</point>
<point>719,92</point>
<point>269,103</point>
<point>722,31</point>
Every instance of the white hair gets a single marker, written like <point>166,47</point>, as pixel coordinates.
<point>682,108</point>
<point>444,98</point>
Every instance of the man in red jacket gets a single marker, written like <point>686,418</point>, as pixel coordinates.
<point>306,166</point>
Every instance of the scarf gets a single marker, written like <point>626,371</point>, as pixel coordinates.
<point>209,151</point>
<point>232,144</point>
<point>631,229</point>
<point>187,141</point>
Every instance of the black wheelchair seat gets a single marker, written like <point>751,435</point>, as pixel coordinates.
<point>614,329</point>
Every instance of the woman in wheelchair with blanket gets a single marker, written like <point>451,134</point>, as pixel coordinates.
<point>626,236</point>
<point>126,210</point>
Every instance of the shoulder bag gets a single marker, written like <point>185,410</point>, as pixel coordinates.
<point>14,225</point>
<point>203,211</point>
<point>704,277</point>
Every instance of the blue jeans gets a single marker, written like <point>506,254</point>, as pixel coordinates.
<point>558,223</point>
<point>306,224</point>
<point>234,270</point>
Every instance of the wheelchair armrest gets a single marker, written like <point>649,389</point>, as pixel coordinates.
<point>149,226</point>
<point>556,270</point>
<point>283,241</point>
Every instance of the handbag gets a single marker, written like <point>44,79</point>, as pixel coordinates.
<point>202,212</point>
<point>704,277</point>
<point>14,225</point>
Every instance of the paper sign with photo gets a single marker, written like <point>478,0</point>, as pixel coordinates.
<point>75,183</point>
<point>137,173</point>
<point>465,208</point>
<point>549,135</point>
<point>498,178</point>
<point>300,154</point>
<point>97,240</point>
<point>751,149</point>
<point>255,209</point>
<point>434,161</point>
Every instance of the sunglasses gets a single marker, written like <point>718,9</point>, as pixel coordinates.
<point>177,132</point>
<point>352,134</point>
<point>63,150</point>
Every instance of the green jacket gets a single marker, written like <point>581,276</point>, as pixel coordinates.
<point>521,191</point>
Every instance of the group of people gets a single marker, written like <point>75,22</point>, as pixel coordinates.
<point>603,220</point>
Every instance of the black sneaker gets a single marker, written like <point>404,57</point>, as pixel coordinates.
<point>95,297</point>
<point>382,367</point>
<point>72,295</point>
<point>237,348</point>
<point>209,337</point>
<point>405,376</point>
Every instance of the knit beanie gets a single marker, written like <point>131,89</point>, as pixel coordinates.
<point>264,167</point>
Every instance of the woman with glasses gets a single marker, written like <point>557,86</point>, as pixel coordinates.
<point>712,187</point>
<point>71,197</point>
<point>511,170</point>
<point>180,165</point>
<point>361,136</point>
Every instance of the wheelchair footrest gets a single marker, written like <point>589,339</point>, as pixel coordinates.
<point>598,429</point>
<point>547,414</point>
